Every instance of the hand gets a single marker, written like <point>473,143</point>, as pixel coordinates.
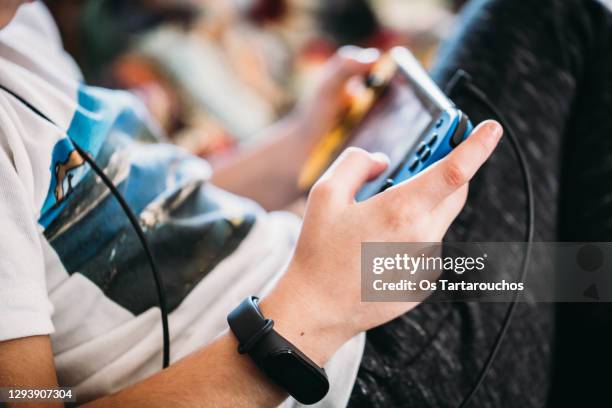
<point>268,171</point>
<point>317,304</point>
<point>322,108</point>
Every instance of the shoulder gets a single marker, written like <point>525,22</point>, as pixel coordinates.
<point>33,41</point>
<point>35,20</point>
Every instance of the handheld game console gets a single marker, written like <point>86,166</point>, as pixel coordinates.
<point>402,113</point>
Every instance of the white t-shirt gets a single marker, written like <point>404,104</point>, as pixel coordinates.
<point>70,263</point>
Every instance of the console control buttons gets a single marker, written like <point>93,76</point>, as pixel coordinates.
<point>459,133</point>
<point>388,183</point>
<point>439,123</point>
<point>414,165</point>
<point>433,140</point>
<point>422,149</point>
<point>425,155</point>
<point>456,139</point>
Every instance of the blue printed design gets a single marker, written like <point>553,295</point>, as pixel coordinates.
<point>99,112</point>
<point>190,225</point>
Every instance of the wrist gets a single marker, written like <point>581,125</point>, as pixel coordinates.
<point>306,131</point>
<point>305,321</point>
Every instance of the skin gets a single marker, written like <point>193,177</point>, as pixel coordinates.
<point>327,255</point>
<point>272,183</point>
<point>419,210</point>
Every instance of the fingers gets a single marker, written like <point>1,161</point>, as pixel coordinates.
<point>443,215</point>
<point>431,187</point>
<point>350,61</point>
<point>349,172</point>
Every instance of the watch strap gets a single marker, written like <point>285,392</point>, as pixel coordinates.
<point>274,355</point>
<point>248,324</point>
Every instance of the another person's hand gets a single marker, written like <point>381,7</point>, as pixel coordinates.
<point>321,109</point>
<point>268,171</point>
<point>317,304</point>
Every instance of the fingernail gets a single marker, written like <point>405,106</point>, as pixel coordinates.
<point>381,157</point>
<point>362,55</point>
<point>369,55</point>
<point>494,129</point>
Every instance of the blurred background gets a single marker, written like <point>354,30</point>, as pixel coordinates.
<point>215,72</point>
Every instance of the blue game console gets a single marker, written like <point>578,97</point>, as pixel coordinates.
<point>412,121</point>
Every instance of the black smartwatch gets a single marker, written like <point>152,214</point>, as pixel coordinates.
<point>279,360</point>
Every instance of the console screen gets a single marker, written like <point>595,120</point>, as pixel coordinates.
<point>395,122</point>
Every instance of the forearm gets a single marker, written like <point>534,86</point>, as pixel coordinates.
<point>317,304</point>
<point>218,376</point>
<point>38,354</point>
<point>215,376</point>
<point>267,171</point>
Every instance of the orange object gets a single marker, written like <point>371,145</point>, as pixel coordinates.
<point>330,145</point>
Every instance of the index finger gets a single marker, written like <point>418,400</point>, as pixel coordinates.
<point>433,185</point>
<point>348,62</point>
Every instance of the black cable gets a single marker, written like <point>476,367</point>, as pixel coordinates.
<point>473,91</point>
<point>461,78</point>
<point>159,284</point>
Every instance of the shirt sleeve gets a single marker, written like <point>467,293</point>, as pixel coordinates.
<point>25,308</point>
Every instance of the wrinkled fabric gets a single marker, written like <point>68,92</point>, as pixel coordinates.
<point>547,64</point>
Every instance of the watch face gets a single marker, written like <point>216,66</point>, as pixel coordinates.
<point>300,377</point>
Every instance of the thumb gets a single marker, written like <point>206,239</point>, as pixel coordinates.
<point>351,171</point>
<point>349,61</point>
